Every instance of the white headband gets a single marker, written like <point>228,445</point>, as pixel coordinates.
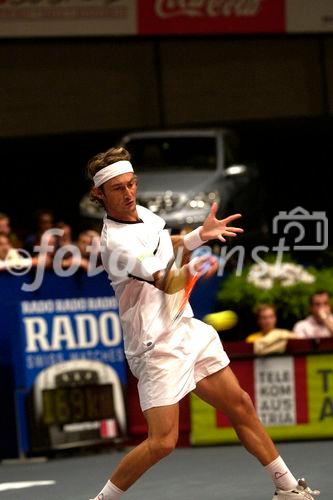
<point>107,173</point>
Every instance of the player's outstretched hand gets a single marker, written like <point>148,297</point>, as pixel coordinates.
<point>214,228</point>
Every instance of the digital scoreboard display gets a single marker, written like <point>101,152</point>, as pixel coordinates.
<point>84,403</point>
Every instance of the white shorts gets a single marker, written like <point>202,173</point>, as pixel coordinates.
<point>177,361</point>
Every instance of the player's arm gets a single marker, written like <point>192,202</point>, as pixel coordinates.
<point>136,263</point>
<point>180,250</point>
<point>173,280</point>
<point>178,242</point>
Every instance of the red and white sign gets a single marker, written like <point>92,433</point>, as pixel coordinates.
<point>278,388</point>
<point>162,17</point>
<point>25,18</point>
<point>275,391</point>
<point>305,16</point>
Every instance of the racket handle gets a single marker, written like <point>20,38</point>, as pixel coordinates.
<point>204,268</point>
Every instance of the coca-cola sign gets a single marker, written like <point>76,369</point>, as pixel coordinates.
<point>210,8</point>
<point>211,16</point>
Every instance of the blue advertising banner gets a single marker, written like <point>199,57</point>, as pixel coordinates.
<point>62,366</point>
<point>65,343</point>
<point>58,330</point>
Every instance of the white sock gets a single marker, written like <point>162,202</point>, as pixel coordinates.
<point>109,492</point>
<point>281,475</point>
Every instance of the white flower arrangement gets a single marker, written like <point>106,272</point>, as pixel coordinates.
<point>265,275</point>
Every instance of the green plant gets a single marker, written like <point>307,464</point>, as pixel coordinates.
<point>241,294</point>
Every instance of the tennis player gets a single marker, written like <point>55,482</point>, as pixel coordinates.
<point>169,362</point>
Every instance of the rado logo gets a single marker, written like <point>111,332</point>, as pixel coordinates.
<point>81,331</point>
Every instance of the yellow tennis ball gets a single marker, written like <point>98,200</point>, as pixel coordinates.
<point>224,320</point>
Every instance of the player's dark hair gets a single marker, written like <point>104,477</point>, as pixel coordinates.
<point>102,160</point>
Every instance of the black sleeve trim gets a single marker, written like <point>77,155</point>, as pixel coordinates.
<point>139,221</point>
<point>139,279</point>
<point>158,244</point>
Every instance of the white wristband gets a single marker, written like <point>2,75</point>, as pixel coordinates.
<point>192,240</point>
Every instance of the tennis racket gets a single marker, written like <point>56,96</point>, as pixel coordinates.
<point>173,305</point>
<point>177,313</point>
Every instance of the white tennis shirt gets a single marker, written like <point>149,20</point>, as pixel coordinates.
<point>131,253</point>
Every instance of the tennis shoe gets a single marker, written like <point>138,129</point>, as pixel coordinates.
<point>302,490</point>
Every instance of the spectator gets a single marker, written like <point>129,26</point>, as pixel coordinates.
<point>9,256</point>
<point>44,221</point>
<point>66,238</point>
<point>4,224</point>
<point>266,320</point>
<point>6,229</point>
<point>88,243</point>
<point>269,339</point>
<point>320,322</point>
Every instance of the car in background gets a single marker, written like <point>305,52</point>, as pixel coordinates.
<point>182,172</point>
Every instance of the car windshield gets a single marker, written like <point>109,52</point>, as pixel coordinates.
<point>168,153</point>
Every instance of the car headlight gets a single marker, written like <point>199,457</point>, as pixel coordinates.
<point>162,202</point>
<point>203,200</point>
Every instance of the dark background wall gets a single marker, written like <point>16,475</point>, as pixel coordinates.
<point>57,86</point>
<point>63,100</point>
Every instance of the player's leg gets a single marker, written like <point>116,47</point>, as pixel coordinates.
<point>222,390</point>
<point>163,423</point>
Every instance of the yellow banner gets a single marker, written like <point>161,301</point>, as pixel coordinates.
<point>320,389</point>
<point>319,380</point>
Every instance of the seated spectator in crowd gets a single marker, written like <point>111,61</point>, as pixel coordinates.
<point>88,243</point>
<point>44,221</point>
<point>320,322</point>
<point>268,339</point>
<point>10,257</point>
<point>63,241</point>
<point>66,238</point>
<point>6,229</point>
